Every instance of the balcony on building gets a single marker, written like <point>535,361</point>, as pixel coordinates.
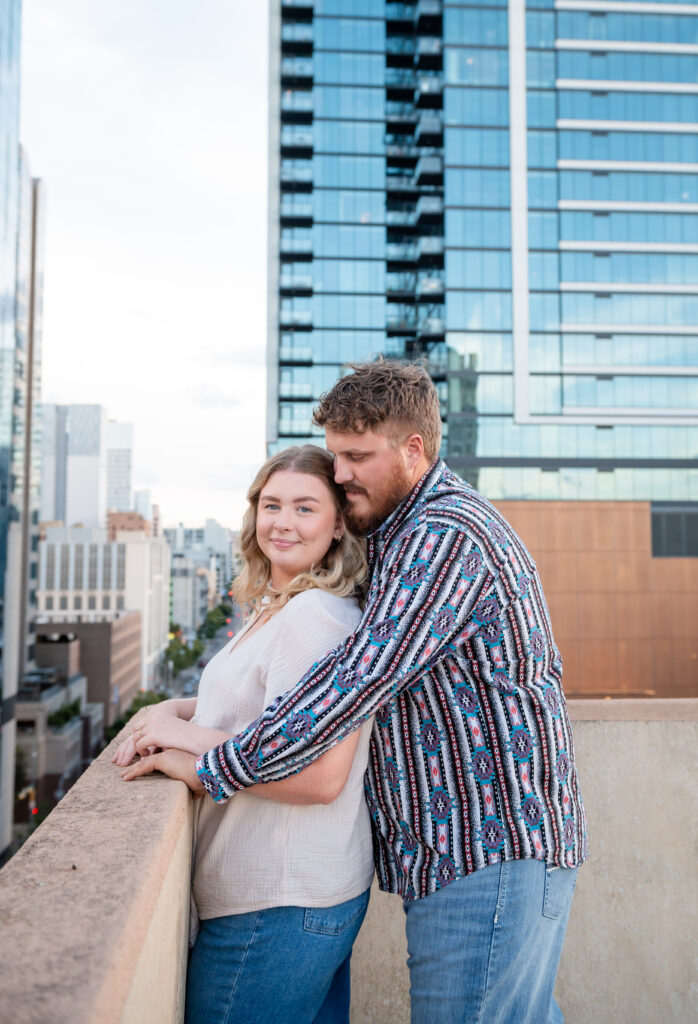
<point>297,427</point>
<point>400,84</point>
<point>400,286</point>
<point>295,389</point>
<point>295,284</point>
<point>299,319</point>
<point>297,39</point>
<point>399,17</point>
<point>400,115</point>
<point>429,170</point>
<point>296,141</point>
<point>296,210</point>
<point>296,106</point>
<point>400,218</point>
<point>430,210</point>
<point>428,15</point>
<point>400,46</point>
<point>401,320</point>
<point>296,71</point>
<point>401,252</point>
<point>430,250</point>
<point>430,328</point>
<point>296,355</point>
<point>430,129</point>
<point>429,91</point>
<point>297,8</point>
<point>402,154</point>
<point>429,52</point>
<point>296,248</point>
<point>430,287</point>
<point>296,175</point>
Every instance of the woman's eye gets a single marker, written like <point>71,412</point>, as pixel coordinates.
<point>304,508</point>
<point>270,508</point>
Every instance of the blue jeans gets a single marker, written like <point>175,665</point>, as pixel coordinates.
<point>485,950</point>
<point>289,965</point>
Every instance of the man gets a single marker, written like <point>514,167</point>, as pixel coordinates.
<point>477,817</point>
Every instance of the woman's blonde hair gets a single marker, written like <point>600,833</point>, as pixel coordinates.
<point>342,570</point>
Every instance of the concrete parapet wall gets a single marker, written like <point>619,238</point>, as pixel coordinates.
<point>104,942</point>
<point>94,908</point>
<point>630,952</point>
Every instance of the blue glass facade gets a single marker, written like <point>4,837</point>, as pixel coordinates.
<point>510,191</point>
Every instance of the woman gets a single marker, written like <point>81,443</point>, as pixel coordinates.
<point>281,873</point>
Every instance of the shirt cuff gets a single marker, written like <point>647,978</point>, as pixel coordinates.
<point>216,776</point>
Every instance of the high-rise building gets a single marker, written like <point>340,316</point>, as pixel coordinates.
<point>119,465</point>
<point>143,504</point>
<point>85,577</point>
<point>21,271</point>
<point>210,545</point>
<point>511,191</point>
<point>74,479</point>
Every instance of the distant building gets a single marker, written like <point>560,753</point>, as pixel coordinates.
<point>84,575</point>
<point>191,591</point>
<point>21,262</point>
<point>202,543</point>
<point>74,484</point>
<point>119,466</point>
<point>128,522</point>
<point>59,731</point>
<point>108,653</point>
<point>143,505</point>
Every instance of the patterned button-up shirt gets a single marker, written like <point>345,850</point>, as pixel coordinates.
<point>471,758</point>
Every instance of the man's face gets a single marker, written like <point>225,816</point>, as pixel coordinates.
<point>375,474</point>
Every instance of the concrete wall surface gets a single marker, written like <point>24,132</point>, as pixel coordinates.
<point>630,952</point>
<point>94,909</point>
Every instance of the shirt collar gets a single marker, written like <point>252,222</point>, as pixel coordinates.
<point>425,484</point>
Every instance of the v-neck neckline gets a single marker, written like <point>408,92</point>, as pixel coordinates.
<point>245,633</point>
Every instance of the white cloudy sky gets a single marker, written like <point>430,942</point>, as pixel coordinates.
<point>147,121</point>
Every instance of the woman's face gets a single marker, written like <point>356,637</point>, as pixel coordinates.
<point>297,519</point>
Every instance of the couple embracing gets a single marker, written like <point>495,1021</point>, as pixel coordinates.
<point>393,702</point>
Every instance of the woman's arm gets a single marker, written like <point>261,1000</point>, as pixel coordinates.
<point>320,783</point>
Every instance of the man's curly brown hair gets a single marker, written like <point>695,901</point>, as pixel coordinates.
<point>386,397</point>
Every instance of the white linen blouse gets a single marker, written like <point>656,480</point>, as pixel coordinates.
<point>250,853</point>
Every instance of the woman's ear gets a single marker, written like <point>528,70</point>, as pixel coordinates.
<point>339,528</point>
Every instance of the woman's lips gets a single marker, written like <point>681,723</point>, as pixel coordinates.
<point>283,545</point>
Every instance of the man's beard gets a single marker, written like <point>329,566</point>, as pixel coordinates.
<point>383,502</point>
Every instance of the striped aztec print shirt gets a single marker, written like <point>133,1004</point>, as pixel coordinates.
<point>471,758</point>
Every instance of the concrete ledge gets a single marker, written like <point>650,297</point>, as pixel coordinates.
<point>94,908</point>
<point>104,942</point>
<point>630,952</point>
<point>648,709</point>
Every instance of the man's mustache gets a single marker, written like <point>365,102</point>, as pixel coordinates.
<point>355,490</point>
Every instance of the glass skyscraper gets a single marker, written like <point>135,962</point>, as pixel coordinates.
<point>510,191</point>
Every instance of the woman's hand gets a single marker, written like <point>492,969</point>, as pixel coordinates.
<point>163,731</point>
<point>177,764</point>
<point>126,751</point>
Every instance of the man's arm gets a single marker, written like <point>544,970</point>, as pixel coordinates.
<point>425,599</point>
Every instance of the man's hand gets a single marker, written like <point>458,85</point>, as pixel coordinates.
<point>176,764</point>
